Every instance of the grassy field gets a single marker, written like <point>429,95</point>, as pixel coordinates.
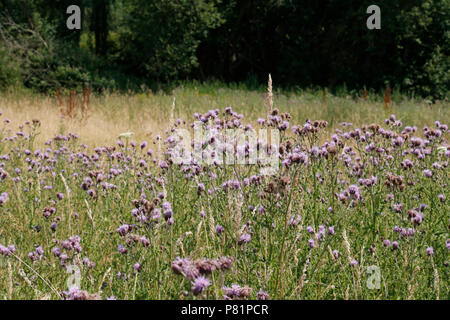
<point>358,208</point>
<point>148,114</point>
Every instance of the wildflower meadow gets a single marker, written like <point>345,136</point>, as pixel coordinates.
<point>217,206</point>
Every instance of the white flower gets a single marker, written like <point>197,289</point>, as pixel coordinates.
<point>442,149</point>
<point>126,134</point>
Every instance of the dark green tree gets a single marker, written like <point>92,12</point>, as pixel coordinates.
<point>99,24</point>
<point>163,36</point>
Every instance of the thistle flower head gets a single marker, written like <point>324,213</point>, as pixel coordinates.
<point>199,285</point>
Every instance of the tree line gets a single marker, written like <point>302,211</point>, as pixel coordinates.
<point>123,44</point>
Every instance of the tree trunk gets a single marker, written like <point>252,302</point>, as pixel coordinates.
<point>100,12</point>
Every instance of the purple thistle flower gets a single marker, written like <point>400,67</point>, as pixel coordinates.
<point>200,188</point>
<point>237,291</point>
<point>398,207</point>
<point>137,267</point>
<point>245,238</point>
<point>331,230</point>
<point>123,229</point>
<point>262,295</point>
<point>6,251</point>
<point>91,193</point>
<point>336,253</point>
<point>168,214</point>
<point>200,284</point>
<point>122,249</point>
<point>166,205</point>
<point>163,165</point>
<point>39,251</point>
<point>219,229</point>
<point>354,191</point>
<point>427,173</point>
<point>144,241</point>
<point>142,163</point>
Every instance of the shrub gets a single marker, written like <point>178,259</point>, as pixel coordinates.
<point>9,70</point>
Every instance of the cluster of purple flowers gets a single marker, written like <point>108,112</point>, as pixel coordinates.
<point>75,293</point>
<point>200,284</point>
<point>192,269</point>
<point>73,244</point>
<point>7,251</point>
<point>351,193</point>
<point>235,291</point>
<point>404,232</point>
<point>370,182</point>
<point>319,235</point>
<point>3,198</point>
<point>362,161</point>
<point>387,243</point>
<point>198,269</point>
<point>37,254</point>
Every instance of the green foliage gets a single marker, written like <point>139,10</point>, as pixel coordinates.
<point>127,43</point>
<point>169,34</point>
<point>328,44</point>
<point>426,44</point>
<point>434,78</point>
<point>9,70</point>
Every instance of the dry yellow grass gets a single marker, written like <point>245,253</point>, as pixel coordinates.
<point>102,127</point>
<point>148,114</point>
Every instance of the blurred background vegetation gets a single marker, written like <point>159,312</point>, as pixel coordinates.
<point>140,44</point>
